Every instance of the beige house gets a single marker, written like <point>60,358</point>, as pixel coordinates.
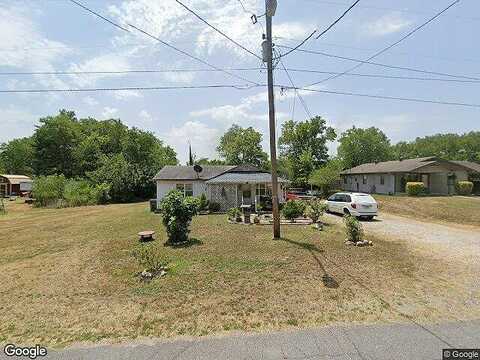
<point>390,177</point>
<point>229,186</point>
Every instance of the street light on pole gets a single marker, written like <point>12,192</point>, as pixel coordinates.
<point>270,9</point>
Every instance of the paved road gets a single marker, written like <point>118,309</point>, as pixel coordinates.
<point>389,342</point>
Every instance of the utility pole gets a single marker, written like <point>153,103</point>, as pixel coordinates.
<point>270,7</point>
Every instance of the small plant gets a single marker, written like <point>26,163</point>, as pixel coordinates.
<point>353,228</point>
<point>315,209</point>
<point>464,187</point>
<point>3,210</point>
<point>204,203</point>
<point>234,214</point>
<point>214,207</point>
<point>177,213</point>
<point>149,258</point>
<point>415,188</point>
<point>293,209</point>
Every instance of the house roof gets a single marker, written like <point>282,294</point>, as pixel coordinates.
<point>391,166</point>
<point>188,173</point>
<point>16,179</point>
<point>469,165</point>
<point>235,177</point>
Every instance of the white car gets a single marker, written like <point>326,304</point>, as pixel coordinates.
<point>355,204</point>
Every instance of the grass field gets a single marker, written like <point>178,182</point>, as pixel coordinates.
<point>67,276</point>
<point>453,209</point>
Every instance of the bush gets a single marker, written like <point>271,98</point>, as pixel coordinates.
<point>148,257</point>
<point>82,193</point>
<point>353,228</point>
<point>415,188</point>
<point>234,213</point>
<point>204,203</point>
<point>214,207</point>
<point>315,209</point>
<point>464,187</point>
<point>177,213</point>
<point>48,190</point>
<point>293,209</point>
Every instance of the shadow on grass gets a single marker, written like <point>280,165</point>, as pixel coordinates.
<point>191,242</point>
<point>327,280</point>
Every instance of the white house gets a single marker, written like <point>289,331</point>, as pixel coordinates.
<point>229,186</point>
<point>390,177</point>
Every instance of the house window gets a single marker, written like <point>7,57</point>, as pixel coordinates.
<point>185,189</point>
<point>261,189</point>
<point>382,180</point>
<point>364,179</point>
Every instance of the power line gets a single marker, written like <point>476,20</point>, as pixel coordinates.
<point>304,104</point>
<point>410,33</point>
<point>127,71</point>
<point>299,45</point>
<point>316,52</point>
<point>387,97</point>
<point>132,88</point>
<point>218,30</point>
<point>163,42</point>
<point>336,21</point>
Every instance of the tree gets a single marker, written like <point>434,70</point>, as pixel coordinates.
<point>54,145</point>
<point>326,177</point>
<point>303,147</point>
<point>242,146</point>
<point>16,157</point>
<point>206,161</point>
<point>360,146</point>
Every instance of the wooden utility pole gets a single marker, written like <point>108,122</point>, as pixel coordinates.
<point>268,55</point>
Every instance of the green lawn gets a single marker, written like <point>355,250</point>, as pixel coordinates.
<point>453,209</point>
<point>67,276</point>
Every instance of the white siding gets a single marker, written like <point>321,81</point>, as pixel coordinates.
<point>163,187</point>
<point>372,185</point>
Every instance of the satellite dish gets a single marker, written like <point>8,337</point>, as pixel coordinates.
<point>198,169</point>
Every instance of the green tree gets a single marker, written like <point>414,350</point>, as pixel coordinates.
<point>303,147</point>
<point>16,157</point>
<point>242,146</point>
<point>360,146</point>
<point>54,145</point>
<point>326,177</point>
<point>206,161</point>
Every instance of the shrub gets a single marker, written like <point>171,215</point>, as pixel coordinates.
<point>234,213</point>
<point>464,187</point>
<point>48,190</point>
<point>315,209</point>
<point>177,213</point>
<point>415,188</point>
<point>82,193</point>
<point>214,207</point>
<point>204,203</point>
<point>147,257</point>
<point>353,228</point>
<point>293,209</point>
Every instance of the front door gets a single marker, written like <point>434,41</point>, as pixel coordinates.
<point>246,195</point>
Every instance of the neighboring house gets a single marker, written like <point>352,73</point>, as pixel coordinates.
<point>473,174</point>
<point>14,184</point>
<point>229,186</point>
<point>390,177</point>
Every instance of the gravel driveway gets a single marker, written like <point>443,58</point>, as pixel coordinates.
<point>462,242</point>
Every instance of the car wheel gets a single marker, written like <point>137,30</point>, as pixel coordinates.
<point>346,212</point>
<point>369,218</point>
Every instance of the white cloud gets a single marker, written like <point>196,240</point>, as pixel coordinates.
<point>387,24</point>
<point>202,137</point>
<point>90,101</point>
<point>15,123</point>
<point>109,112</point>
<point>146,117</point>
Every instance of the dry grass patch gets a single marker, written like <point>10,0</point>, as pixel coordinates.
<point>454,209</point>
<point>68,277</point>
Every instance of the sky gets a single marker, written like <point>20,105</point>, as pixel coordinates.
<point>57,35</point>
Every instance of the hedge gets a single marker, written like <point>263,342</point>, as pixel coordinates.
<point>415,188</point>
<point>464,187</point>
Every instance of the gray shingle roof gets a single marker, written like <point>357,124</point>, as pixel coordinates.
<point>469,164</point>
<point>244,177</point>
<point>391,166</point>
<point>187,173</point>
